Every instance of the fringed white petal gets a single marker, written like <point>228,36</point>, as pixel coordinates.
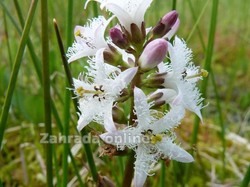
<point>174,152</point>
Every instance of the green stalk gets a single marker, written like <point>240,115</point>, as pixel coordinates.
<point>67,100</point>
<point>163,174</point>
<point>246,179</point>
<point>221,121</point>
<point>46,90</point>
<point>56,165</point>
<point>7,37</point>
<point>174,5</point>
<point>33,55</point>
<point>38,71</point>
<point>95,9</point>
<point>197,21</point>
<point>15,70</point>
<point>207,66</point>
<point>87,148</point>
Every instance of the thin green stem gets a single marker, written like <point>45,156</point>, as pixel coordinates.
<point>87,148</point>
<point>196,25</point>
<point>15,70</point>
<point>95,9</point>
<point>129,171</point>
<point>31,48</point>
<point>67,100</point>
<point>7,37</point>
<point>245,182</point>
<point>174,5</point>
<point>207,65</point>
<point>46,90</point>
<point>163,174</point>
<point>221,121</point>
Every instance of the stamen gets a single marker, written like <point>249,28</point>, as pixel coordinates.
<point>156,138</point>
<point>203,73</point>
<point>78,33</point>
<point>81,91</point>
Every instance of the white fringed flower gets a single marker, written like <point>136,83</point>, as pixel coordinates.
<point>99,90</point>
<point>88,39</point>
<point>127,11</point>
<point>180,79</point>
<point>150,138</point>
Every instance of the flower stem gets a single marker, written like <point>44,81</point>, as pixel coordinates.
<point>87,147</point>
<point>129,171</point>
<point>46,89</point>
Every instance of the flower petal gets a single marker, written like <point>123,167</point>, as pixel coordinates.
<point>141,107</point>
<point>140,12</point>
<point>142,166</point>
<point>174,152</point>
<point>170,120</point>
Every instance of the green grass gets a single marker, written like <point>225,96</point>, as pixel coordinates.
<point>220,158</point>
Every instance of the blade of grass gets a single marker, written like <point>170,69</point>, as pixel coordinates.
<point>207,66</point>
<point>38,71</point>
<point>46,91</point>
<point>197,21</point>
<point>87,148</point>
<point>67,100</point>
<point>33,55</point>
<point>246,179</point>
<point>95,9</point>
<point>221,122</point>
<point>174,5</point>
<point>15,70</point>
<point>7,37</point>
<point>163,174</point>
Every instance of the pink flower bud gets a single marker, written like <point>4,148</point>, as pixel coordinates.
<point>153,54</point>
<point>118,38</point>
<point>170,18</point>
<point>165,24</point>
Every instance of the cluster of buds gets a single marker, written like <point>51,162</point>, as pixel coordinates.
<point>138,67</point>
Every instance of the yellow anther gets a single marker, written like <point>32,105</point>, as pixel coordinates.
<point>78,33</point>
<point>204,73</point>
<point>156,138</point>
<point>80,91</point>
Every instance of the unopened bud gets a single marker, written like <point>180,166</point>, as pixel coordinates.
<point>155,80</point>
<point>118,38</point>
<point>173,30</point>
<point>136,33</point>
<point>165,24</point>
<point>153,54</point>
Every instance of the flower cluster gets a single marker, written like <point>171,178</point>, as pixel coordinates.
<point>132,76</point>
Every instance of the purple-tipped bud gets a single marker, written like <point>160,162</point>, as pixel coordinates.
<point>170,18</point>
<point>153,54</point>
<point>165,24</point>
<point>118,38</point>
<point>173,30</point>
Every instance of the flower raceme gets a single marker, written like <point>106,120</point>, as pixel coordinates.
<point>122,67</point>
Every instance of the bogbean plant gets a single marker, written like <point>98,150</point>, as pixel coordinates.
<point>136,67</point>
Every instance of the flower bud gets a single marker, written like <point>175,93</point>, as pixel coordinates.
<point>173,30</point>
<point>118,38</point>
<point>165,24</point>
<point>155,80</point>
<point>153,54</point>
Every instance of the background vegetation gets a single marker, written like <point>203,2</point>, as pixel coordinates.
<point>222,147</point>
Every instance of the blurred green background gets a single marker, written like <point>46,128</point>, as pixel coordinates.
<point>22,156</point>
